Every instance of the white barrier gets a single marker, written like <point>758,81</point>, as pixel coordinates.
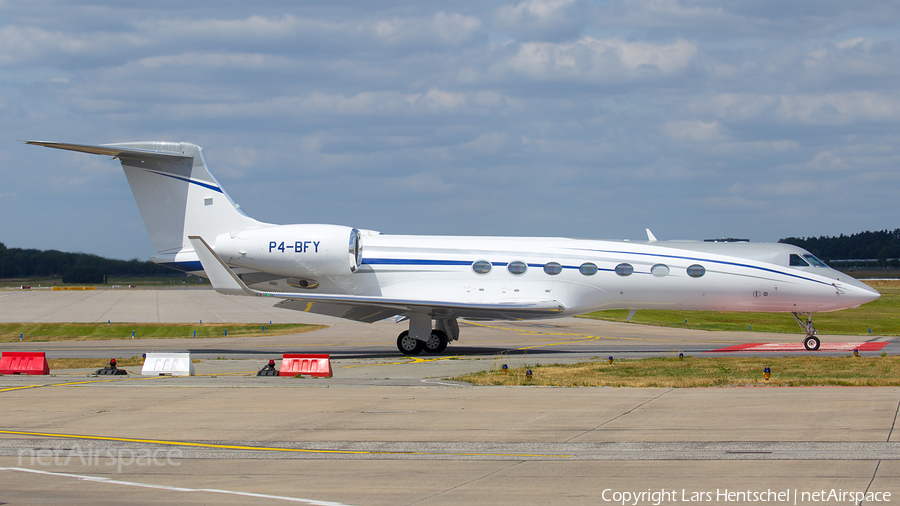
<point>175,364</point>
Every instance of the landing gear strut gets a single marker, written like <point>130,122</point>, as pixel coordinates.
<point>811,342</point>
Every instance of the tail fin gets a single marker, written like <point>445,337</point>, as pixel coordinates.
<point>176,193</point>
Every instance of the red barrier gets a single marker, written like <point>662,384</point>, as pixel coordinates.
<point>23,362</point>
<point>311,365</point>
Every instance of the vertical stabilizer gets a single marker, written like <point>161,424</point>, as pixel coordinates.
<point>176,193</point>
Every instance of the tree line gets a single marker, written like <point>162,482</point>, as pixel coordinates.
<point>883,245</point>
<point>27,263</point>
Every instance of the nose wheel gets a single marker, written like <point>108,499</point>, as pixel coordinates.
<point>811,342</point>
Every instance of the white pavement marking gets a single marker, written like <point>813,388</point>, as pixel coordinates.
<point>100,479</point>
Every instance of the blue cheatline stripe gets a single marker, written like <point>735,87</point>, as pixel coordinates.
<point>416,261</point>
<point>184,266</point>
<point>413,261</point>
<point>707,260</point>
<point>198,183</point>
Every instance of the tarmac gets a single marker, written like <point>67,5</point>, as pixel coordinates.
<point>388,429</point>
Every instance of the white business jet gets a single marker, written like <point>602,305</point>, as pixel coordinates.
<point>432,281</point>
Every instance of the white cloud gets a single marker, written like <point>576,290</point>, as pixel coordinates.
<point>601,61</point>
<point>21,44</point>
<point>825,109</point>
<point>694,130</point>
<point>441,29</point>
<point>738,19</point>
<point>543,19</point>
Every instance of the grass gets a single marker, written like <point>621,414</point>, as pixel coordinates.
<point>882,316</point>
<point>92,363</point>
<point>704,372</point>
<point>42,332</point>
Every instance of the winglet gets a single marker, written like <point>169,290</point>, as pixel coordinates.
<point>650,236</point>
<point>220,275</point>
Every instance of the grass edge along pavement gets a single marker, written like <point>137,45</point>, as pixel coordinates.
<point>46,332</point>
<point>690,372</point>
<point>94,363</point>
<point>880,317</point>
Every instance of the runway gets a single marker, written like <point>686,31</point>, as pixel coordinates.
<point>393,430</point>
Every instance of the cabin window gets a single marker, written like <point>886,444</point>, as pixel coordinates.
<point>481,267</point>
<point>696,271</point>
<point>552,268</point>
<point>517,268</point>
<point>588,269</point>
<point>815,261</point>
<point>624,270</point>
<point>796,261</point>
<point>660,270</point>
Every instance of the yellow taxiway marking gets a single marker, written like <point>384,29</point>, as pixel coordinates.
<point>269,448</point>
<point>408,360</point>
<point>72,383</point>
<point>77,383</point>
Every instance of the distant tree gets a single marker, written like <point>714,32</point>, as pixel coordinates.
<point>881,244</point>
<point>83,274</point>
<point>17,262</point>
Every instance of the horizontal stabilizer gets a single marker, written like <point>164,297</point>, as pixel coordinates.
<point>220,275</point>
<point>112,150</point>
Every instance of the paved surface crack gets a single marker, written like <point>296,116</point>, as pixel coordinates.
<point>620,415</point>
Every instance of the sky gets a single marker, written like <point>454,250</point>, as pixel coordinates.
<point>697,119</point>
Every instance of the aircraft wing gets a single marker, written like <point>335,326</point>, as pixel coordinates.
<point>366,308</point>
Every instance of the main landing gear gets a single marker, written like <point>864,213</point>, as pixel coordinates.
<point>445,330</point>
<point>811,342</point>
<point>409,345</point>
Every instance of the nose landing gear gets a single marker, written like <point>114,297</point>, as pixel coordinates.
<point>810,342</point>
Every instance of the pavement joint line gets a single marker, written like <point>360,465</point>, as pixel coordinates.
<point>276,449</point>
<point>103,479</point>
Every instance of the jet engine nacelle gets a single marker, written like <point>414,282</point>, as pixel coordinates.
<point>293,250</point>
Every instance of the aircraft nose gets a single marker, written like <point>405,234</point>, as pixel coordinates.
<point>860,292</point>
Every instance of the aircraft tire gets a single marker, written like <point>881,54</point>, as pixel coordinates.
<point>409,345</point>
<point>437,343</point>
<point>811,343</point>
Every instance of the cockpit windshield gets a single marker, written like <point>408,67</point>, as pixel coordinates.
<point>813,260</point>
<point>796,261</point>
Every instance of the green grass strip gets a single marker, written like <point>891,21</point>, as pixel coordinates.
<point>44,332</point>
<point>704,372</point>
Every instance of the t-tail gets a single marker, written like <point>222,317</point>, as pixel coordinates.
<point>176,194</point>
